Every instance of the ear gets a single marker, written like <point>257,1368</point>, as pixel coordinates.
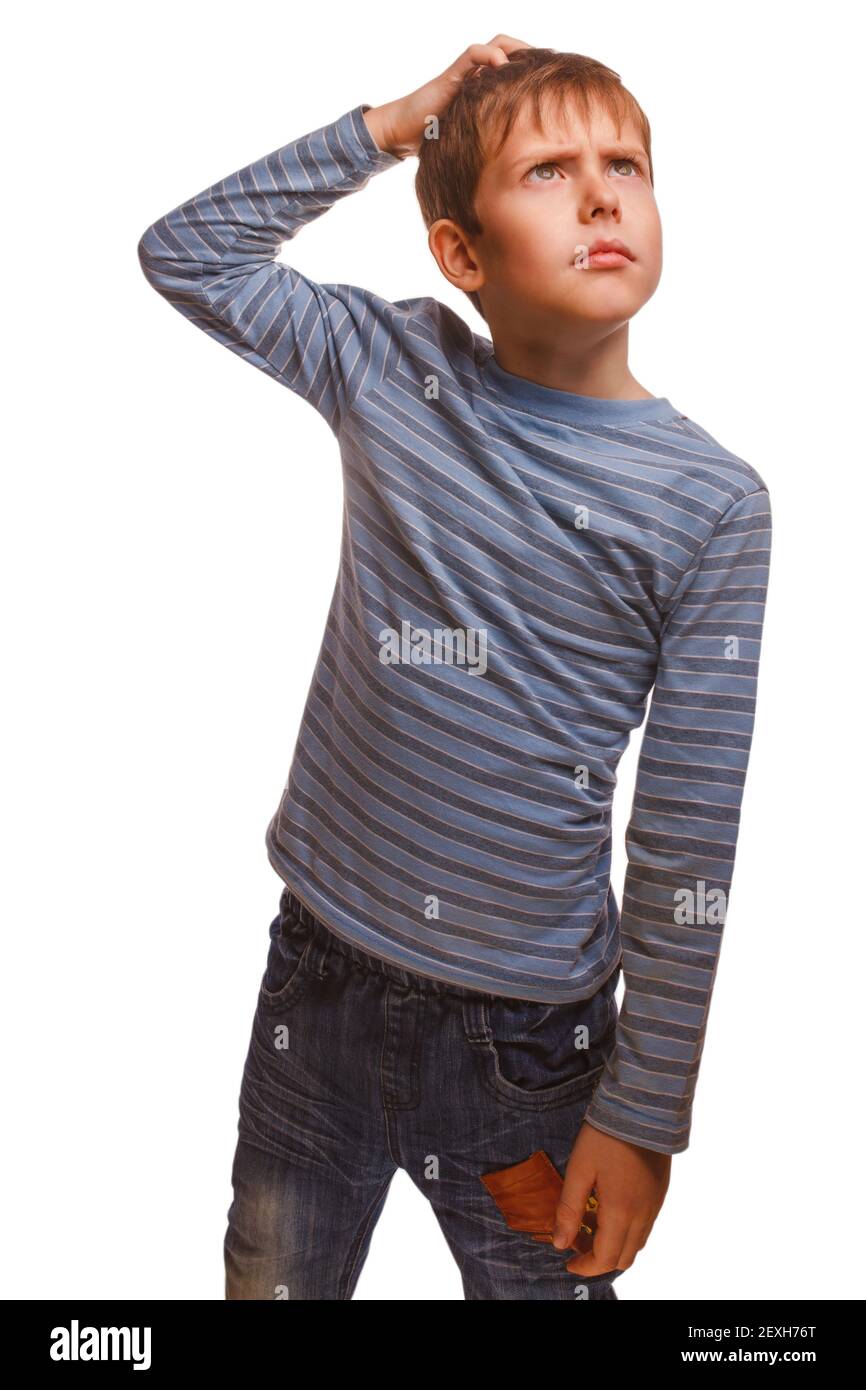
<point>455,255</point>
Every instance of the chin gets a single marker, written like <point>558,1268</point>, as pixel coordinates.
<point>612,309</point>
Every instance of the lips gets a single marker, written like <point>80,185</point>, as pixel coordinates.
<point>602,252</point>
<point>598,247</point>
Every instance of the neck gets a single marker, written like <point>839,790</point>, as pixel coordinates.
<point>599,369</point>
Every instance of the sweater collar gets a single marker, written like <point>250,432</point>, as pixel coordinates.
<point>520,393</point>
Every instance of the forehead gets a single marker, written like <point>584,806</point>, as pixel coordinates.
<point>565,124</point>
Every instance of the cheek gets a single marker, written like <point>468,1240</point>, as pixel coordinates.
<point>647,220</point>
<point>524,252</point>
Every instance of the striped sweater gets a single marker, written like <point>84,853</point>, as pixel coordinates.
<point>520,566</point>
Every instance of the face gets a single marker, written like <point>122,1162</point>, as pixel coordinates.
<point>544,200</point>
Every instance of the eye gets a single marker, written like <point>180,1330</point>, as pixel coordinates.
<point>547,170</point>
<point>548,178</point>
<point>633,164</point>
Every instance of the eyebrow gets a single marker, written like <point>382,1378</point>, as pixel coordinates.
<point>547,154</point>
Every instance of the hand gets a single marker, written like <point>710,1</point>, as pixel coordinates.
<point>630,1183</point>
<point>398,126</point>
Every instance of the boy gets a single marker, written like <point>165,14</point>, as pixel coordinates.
<point>531,542</point>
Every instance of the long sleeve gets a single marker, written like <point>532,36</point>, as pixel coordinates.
<point>214,259</point>
<point>682,834</point>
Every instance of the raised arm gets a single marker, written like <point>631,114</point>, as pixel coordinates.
<point>682,835</point>
<point>214,259</point>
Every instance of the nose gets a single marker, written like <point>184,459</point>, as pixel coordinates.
<point>599,199</point>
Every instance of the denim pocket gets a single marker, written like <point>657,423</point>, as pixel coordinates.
<point>290,942</point>
<point>538,1055</point>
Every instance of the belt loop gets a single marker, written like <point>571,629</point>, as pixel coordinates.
<point>319,943</point>
<point>320,946</point>
<point>475,1019</point>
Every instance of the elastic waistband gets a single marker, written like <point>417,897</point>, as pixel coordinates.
<point>326,939</point>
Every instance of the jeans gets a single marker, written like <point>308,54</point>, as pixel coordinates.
<point>357,1067</point>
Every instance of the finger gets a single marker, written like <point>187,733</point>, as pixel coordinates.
<point>610,1236</point>
<point>481,55</point>
<point>602,1258</point>
<point>636,1238</point>
<point>508,44</point>
<point>572,1204</point>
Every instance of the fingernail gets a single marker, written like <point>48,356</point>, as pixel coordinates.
<point>559,1239</point>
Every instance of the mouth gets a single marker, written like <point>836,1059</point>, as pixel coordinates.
<point>601,254</point>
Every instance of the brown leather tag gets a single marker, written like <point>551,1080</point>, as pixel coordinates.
<point>528,1194</point>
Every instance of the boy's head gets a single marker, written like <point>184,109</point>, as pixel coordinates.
<point>534,160</point>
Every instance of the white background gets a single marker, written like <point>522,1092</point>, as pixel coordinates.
<point>169,547</point>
